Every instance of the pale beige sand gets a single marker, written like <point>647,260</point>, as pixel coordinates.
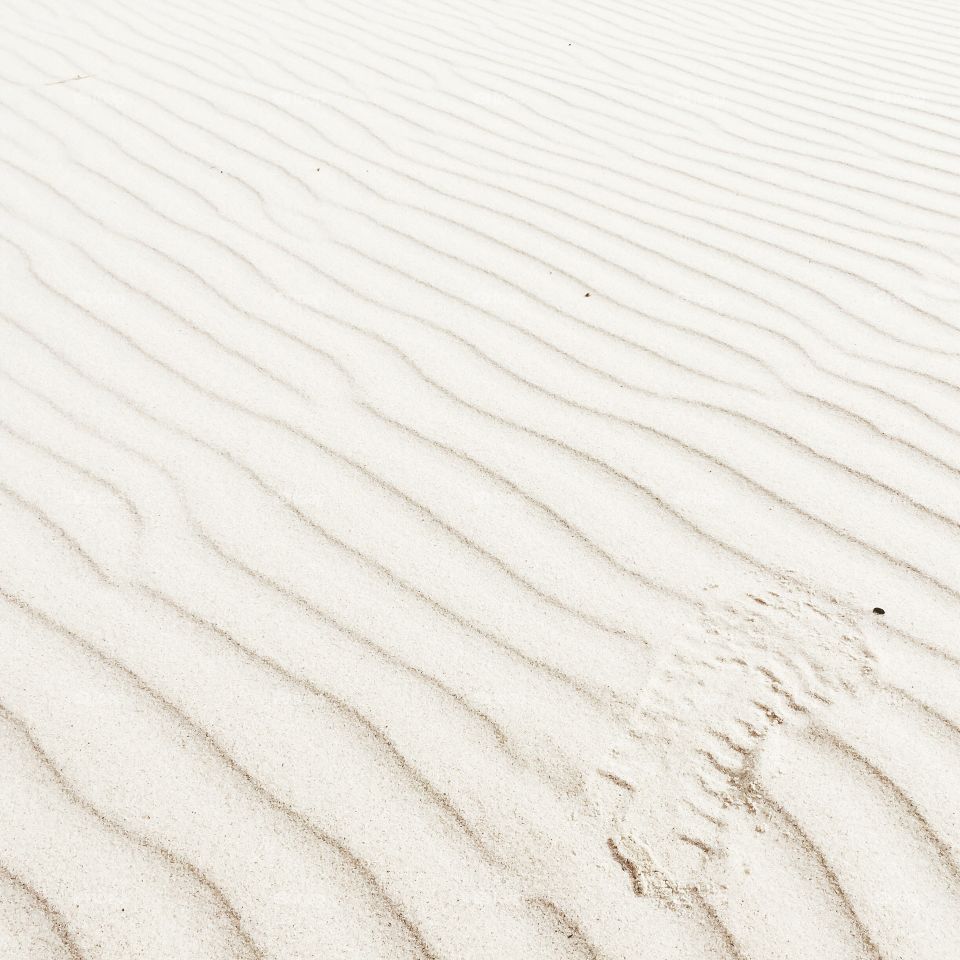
<point>449,456</point>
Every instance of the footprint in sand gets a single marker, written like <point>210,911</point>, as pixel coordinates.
<point>754,663</point>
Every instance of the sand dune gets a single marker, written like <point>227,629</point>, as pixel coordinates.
<point>450,455</point>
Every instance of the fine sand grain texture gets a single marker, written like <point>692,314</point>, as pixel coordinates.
<point>480,481</point>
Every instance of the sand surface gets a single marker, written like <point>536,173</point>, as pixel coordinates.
<point>450,455</point>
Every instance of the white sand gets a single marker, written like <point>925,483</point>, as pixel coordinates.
<point>449,456</point>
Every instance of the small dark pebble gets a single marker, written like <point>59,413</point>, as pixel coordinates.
<point>586,294</point>
<point>878,610</point>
